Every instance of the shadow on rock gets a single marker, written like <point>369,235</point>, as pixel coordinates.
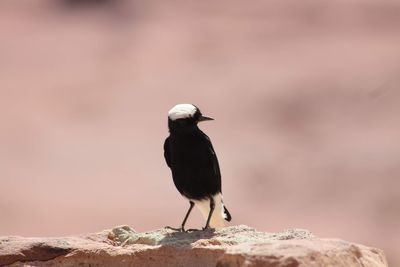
<point>185,239</point>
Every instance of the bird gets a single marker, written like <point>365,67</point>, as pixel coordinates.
<point>190,155</point>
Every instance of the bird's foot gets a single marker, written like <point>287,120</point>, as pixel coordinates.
<point>192,230</point>
<point>196,230</point>
<point>180,229</point>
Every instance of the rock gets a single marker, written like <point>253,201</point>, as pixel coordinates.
<point>227,247</point>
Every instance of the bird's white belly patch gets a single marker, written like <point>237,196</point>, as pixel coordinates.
<point>218,216</point>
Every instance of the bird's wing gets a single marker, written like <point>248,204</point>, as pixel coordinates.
<point>214,162</point>
<point>167,154</point>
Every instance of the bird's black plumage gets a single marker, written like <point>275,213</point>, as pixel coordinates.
<point>190,155</point>
<point>193,163</point>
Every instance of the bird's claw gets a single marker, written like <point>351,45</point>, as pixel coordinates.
<point>192,230</point>
<point>207,228</point>
<point>180,229</point>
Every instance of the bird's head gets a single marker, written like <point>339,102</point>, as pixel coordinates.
<point>184,118</point>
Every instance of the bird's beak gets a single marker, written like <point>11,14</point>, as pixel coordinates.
<point>204,118</point>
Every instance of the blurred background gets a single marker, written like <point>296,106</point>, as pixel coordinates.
<point>305,96</point>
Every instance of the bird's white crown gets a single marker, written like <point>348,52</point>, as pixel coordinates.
<point>182,111</point>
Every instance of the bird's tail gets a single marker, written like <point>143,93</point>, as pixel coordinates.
<point>220,214</point>
<point>227,215</point>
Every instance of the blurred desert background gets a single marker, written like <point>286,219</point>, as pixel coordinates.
<point>305,95</point>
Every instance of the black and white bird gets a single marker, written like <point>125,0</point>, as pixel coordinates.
<point>194,165</point>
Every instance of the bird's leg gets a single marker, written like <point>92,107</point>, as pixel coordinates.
<point>187,215</point>
<point>182,229</point>
<point>212,207</point>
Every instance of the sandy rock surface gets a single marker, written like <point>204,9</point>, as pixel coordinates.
<point>230,246</point>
